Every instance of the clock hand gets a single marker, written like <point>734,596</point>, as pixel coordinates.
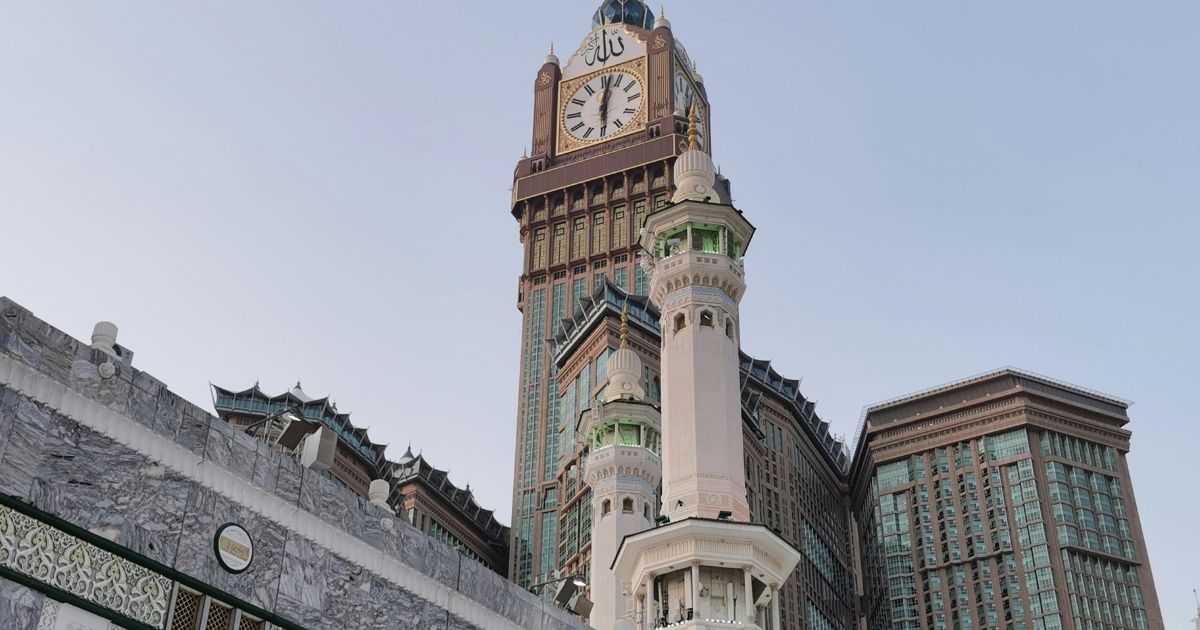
<point>604,107</point>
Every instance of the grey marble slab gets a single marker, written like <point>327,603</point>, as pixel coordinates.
<point>302,585</point>
<point>266,468</point>
<point>193,431</point>
<point>20,607</point>
<point>219,447</point>
<point>24,451</point>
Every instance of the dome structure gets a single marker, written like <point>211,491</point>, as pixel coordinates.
<point>631,12</point>
<point>695,173</point>
<point>624,369</point>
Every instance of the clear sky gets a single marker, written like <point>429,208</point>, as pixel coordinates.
<point>293,190</point>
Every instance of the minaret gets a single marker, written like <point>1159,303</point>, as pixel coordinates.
<point>699,242</point>
<point>705,565</point>
<point>623,470</point>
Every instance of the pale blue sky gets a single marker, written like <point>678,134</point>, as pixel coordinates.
<point>307,190</point>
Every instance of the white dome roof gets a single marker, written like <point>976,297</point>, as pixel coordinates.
<point>695,173</point>
<point>624,368</point>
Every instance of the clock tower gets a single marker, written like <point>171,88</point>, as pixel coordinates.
<point>608,124</point>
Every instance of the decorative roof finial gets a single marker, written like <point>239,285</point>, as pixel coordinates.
<point>550,56</point>
<point>625,325</point>
<point>662,21</point>
<point>693,131</point>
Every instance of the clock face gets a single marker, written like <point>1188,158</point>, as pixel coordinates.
<point>685,96</point>
<point>683,92</point>
<point>603,107</point>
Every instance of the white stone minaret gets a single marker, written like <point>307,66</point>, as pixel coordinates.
<point>623,470</point>
<point>708,567</point>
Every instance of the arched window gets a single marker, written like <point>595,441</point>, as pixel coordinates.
<point>680,322</point>
<point>646,511</point>
<point>627,505</point>
<point>606,508</point>
<point>729,327</point>
<point>706,318</point>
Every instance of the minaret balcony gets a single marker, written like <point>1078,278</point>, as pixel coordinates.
<point>623,461</point>
<point>702,261</point>
<point>707,574</point>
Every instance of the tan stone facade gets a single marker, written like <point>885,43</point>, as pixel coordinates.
<point>1000,501</point>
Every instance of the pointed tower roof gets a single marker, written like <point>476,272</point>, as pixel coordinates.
<point>298,392</point>
<point>695,172</point>
<point>662,21</point>
<point>624,368</point>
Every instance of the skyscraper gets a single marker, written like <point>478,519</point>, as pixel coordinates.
<point>1000,501</point>
<point>607,126</point>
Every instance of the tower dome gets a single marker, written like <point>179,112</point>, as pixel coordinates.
<point>624,368</point>
<point>695,173</point>
<point>632,12</point>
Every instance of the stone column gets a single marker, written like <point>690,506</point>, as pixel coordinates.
<point>775,623</point>
<point>649,609</point>
<point>695,591</point>
<point>749,595</point>
<point>689,600</point>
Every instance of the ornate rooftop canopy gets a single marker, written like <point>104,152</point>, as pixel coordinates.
<point>632,12</point>
<point>411,468</point>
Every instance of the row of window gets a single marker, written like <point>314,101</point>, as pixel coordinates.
<point>553,245</point>
<point>628,506</point>
<point>192,611</point>
<point>616,188</point>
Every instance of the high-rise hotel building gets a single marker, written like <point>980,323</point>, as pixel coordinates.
<point>580,198</point>
<point>1000,501</point>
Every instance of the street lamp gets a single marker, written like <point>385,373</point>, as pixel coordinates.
<point>576,580</point>
<point>569,595</point>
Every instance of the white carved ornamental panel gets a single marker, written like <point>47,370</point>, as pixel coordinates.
<point>55,558</point>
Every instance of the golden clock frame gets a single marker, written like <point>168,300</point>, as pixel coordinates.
<point>567,142</point>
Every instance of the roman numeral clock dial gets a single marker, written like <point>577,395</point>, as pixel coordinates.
<point>603,107</point>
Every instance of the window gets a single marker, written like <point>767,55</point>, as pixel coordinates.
<point>186,613</point>
<point>729,328</point>
<point>706,318</point>
<point>190,608</point>
<point>706,238</point>
<point>620,227</point>
<point>680,322</point>
<point>599,234</point>
<point>579,239</point>
<point>646,510</point>
<point>627,505</point>
<point>219,617</point>
<point>539,249</point>
<point>606,508</point>
<point>560,244</point>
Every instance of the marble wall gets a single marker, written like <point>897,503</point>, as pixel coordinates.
<point>54,464</point>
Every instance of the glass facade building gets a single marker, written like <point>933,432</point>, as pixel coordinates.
<point>1000,502</point>
<point>577,240</point>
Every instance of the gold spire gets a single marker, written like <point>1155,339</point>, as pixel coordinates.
<point>693,132</point>
<point>551,48</point>
<point>662,11</point>
<point>625,325</point>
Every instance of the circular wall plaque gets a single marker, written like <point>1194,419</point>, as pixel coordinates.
<point>234,549</point>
